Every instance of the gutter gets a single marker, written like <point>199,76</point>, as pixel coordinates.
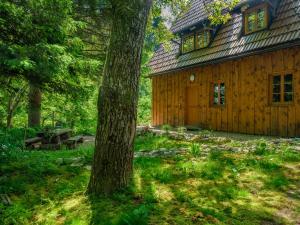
<point>234,57</point>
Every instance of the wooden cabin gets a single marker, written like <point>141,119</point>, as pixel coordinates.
<point>242,76</point>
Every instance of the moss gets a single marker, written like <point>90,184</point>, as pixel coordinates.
<point>220,188</point>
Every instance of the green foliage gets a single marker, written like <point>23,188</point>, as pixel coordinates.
<point>13,139</point>
<point>220,11</point>
<point>139,216</point>
<point>195,149</point>
<point>261,148</point>
<point>151,142</point>
<point>167,128</point>
<point>206,189</point>
<point>181,130</point>
<point>206,133</point>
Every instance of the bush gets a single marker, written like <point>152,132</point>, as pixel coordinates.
<point>166,128</point>
<point>13,139</point>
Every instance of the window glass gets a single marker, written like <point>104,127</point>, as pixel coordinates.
<point>288,88</point>
<point>261,13</point>
<point>282,88</point>
<point>188,44</point>
<point>216,94</point>
<point>251,22</point>
<point>219,94</point>
<point>222,94</point>
<point>203,39</point>
<point>276,88</point>
<point>256,20</point>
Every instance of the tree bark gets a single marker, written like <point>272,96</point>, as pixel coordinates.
<point>118,97</point>
<point>34,106</point>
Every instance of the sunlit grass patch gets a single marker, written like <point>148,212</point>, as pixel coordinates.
<point>210,186</point>
<point>151,142</point>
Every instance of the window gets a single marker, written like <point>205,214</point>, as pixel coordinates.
<point>203,39</point>
<point>188,44</point>
<point>282,89</point>
<point>218,94</point>
<point>256,19</point>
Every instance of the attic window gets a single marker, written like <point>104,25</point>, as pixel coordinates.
<point>256,19</point>
<point>202,39</point>
<point>188,43</point>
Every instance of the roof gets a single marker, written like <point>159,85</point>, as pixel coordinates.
<point>229,43</point>
<point>196,13</point>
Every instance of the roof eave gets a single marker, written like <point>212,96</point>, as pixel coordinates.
<point>227,58</point>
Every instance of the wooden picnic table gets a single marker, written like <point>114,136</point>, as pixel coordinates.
<point>54,139</point>
<point>55,136</point>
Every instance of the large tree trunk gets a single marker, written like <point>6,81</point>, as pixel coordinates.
<point>34,106</point>
<point>118,96</point>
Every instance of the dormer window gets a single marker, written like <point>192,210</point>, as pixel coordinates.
<point>256,19</point>
<point>188,43</point>
<point>202,39</point>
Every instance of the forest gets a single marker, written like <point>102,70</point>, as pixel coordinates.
<point>77,144</point>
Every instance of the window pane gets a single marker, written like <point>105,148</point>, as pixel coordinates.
<point>288,83</point>
<point>276,89</point>
<point>216,94</point>
<point>288,88</point>
<point>276,97</point>
<point>276,80</point>
<point>288,97</point>
<point>222,94</point>
<point>288,78</point>
<point>188,44</point>
<point>206,39</point>
<point>203,39</point>
<point>200,40</point>
<point>251,22</point>
<point>261,22</point>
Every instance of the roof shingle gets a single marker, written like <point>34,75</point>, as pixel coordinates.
<point>228,41</point>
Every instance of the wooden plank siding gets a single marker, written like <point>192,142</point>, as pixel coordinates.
<point>247,97</point>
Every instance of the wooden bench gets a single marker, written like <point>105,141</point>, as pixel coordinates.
<point>33,143</point>
<point>74,141</point>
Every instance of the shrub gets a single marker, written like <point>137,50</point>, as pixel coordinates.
<point>166,128</point>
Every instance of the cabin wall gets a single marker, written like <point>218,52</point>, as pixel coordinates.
<point>247,109</point>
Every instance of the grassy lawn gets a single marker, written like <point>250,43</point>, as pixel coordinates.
<point>215,182</point>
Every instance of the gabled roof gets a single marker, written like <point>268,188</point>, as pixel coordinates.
<point>229,43</point>
<point>196,13</point>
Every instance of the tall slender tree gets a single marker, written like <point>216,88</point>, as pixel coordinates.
<point>118,97</point>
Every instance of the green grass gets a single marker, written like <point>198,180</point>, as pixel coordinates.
<point>215,188</point>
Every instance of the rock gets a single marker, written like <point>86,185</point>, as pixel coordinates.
<point>142,130</point>
<point>5,199</point>
<point>77,164</point>
<point>162,152</point>
<point>73,160</point>
<point>297,148</point>
<point>88,168</point>
<point>59,161</point>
